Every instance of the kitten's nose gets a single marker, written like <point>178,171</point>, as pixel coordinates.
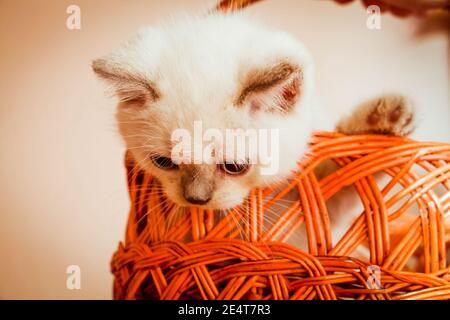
<point>195,200</point>
<point>197,183</point>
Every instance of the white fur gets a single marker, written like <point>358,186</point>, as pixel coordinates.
<point>198,64</point>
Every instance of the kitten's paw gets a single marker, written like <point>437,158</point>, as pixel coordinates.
<point>391,114</point>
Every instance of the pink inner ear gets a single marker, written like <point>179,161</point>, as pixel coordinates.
<point>279,98</point>
<point>292,90</point>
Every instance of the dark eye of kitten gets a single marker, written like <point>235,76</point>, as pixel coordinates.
<point>234,169</point>
<point>163,162</point>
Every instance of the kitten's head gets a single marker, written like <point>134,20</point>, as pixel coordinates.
<point>219,72</point>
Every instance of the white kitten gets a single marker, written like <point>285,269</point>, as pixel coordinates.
<point>227,72</point>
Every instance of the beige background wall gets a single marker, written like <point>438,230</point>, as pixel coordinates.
<point>62,190</point>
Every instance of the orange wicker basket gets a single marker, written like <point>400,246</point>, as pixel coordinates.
<point>191,253</point>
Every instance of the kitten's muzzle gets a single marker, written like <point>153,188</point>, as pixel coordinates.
<point>197,183</point>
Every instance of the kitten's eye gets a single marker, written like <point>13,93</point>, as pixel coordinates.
<point>234,169</point>
<point>163,162</point>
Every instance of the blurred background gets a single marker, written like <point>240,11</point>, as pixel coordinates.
<point>63,197</point>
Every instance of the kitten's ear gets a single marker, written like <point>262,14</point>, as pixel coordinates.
<point>132,88</point>
<point>273,88</point>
